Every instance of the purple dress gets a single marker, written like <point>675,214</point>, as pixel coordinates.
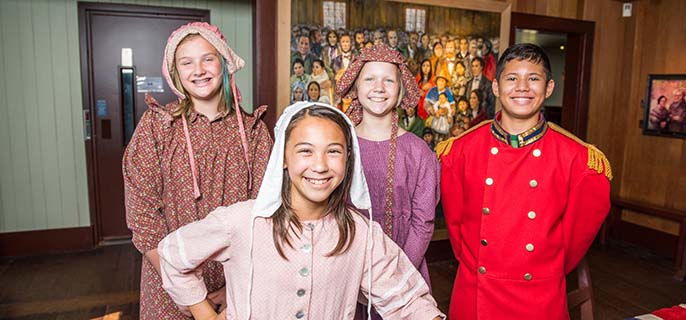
<point>415,192</point>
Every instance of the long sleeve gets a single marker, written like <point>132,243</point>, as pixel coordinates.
<point>398,290</point>
<point>424,199</point>
<point>141,168</point>
<point>587,206</point>
<point>184,250</point>
<point>451,200</point>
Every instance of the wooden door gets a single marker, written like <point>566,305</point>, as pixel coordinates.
<point>120,44</point>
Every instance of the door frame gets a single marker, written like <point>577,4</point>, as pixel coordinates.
<point>577,65</point>
<point>85,11</point>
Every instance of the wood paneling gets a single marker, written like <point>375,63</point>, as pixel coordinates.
<point>43,181</point>
<point>30,243</point>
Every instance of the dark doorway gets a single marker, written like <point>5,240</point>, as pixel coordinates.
<point>120,44</point>
<point>570,43</point>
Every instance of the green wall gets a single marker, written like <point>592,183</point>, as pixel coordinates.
<point>43,181</point>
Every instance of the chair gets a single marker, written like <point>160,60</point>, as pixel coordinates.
<point>583,295</point>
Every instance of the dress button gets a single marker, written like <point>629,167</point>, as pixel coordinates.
<point>482,270</point>
<point>529,247</point>
<point>486,211</point>
<point>537,153</point>
<point>310,225</point>
<point>484,242</point>
<point>299,314</point>
<point>533,183</point>
<point>489,181</point>
<point>527,276</point>
<point>304,272</point>
<point>306,248</point>
<point>531,215</point>
<point>494,151</point>
<point>300,292</point>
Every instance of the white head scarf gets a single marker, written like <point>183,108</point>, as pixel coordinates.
<point>269,197</point>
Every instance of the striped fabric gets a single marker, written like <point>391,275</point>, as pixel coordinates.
<point>674,313</point>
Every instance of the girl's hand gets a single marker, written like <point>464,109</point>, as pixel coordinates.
<point>218,299</point>
<point>222,315</point>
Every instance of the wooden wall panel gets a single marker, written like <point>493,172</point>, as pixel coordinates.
<point>42,159</point>
<point>552,8</point>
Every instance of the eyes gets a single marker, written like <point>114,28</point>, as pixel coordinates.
<point>210,58</point>
<point>532,78</point>
<point>306,151</point>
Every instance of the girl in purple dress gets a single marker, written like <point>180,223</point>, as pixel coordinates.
<point>402,172</point>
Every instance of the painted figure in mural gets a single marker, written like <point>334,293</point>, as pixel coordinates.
<point>190,156</point>
<point>659,115</point>
<point>402,173</point>
<point>298,72</point>
<point>523,200</point>
<point>479,82</point>
<point>304,54</point>
<point>677,111</point>
<point>300,249</point>
<point>330,51</point>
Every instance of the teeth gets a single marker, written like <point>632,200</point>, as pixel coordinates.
<point>378,99</point>
<point>316,181</point>
<point>201,81</point>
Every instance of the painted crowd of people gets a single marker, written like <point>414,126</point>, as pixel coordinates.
<point>333,217</point>
<point>459,68</point>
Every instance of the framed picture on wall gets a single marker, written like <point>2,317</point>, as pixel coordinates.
<point>665,105</point>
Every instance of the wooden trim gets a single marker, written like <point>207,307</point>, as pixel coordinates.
<point>480,5</point>
<point>28,243</point>
<point>264,51</point>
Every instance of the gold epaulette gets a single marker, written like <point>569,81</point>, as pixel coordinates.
<point>443,147</point>
<point>596,159</point>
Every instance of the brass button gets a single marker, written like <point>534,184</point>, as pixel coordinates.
<point>300,292</point>
<point>529,247</point>
<point>304,272</point>
<point>533,183</point>
<point>494,151</point>
<point>482,270</point>
<point>537,153</point>
<point>484,242</point>
<point>527,276</point>
<point>486,211</point>
<point>489,181</point>
<point>531,215</point>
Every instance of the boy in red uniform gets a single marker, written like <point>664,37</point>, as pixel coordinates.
<point>523,200</point>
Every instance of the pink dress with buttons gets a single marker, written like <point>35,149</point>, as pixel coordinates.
<point>309,285</point>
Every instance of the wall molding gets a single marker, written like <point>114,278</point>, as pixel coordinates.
<point>36,242</point>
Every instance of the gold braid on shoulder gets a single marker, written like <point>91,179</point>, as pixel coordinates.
<point>443,147</point>
<point>596,159</point>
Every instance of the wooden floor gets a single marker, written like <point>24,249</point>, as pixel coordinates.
<point>103,284</point>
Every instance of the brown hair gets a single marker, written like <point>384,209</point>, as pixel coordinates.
<point>284,219</point>
<point>186,104</point>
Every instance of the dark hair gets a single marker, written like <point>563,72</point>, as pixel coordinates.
<point>661,97</point>
<point>315,83</point>
<point>443,94</point>
<point>460,99</point>
<point>427,131</point>
<point>297,60</point>
<point>431,71</point>
<point>334,33</point>
<point>435,44</point>
<point>524,51</point>
<point>479,96</point>
<point>320,61</point>
<point>480,60</point>
<point>284,219</point>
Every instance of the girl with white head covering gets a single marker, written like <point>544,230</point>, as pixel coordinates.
<point>323,254</point>
<point>190,156</point>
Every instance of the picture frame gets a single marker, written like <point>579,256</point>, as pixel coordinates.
<point>665,106</point>
<point>283,63</point>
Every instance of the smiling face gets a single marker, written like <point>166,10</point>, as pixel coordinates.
<point>522,89</point>
<point>378,88</point>
<point>199,68</point>
<point>313,91</point>
<point>304,45</point>
<point>315,157</point>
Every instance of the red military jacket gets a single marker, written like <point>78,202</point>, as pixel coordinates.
<point>519,219</point>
